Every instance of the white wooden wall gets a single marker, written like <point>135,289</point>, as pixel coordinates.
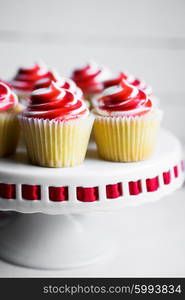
<point>144,37</point>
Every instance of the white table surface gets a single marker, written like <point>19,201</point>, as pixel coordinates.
<point>151,240</point>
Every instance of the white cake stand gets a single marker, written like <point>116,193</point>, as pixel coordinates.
<point>63,222</point>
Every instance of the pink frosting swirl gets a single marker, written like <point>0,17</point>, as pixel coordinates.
<point>8,99</point>
<point>62,82</point>
<point>90,78</point>
<point>114,81</point>
<point>25,78</point>
<point>55,103</point>
<point>46,81</point>
<point>124,99</point>
<point>140,84</point>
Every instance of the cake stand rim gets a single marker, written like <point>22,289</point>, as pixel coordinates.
<point>104,205</point>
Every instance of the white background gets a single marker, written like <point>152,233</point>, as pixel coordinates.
<point>146,38</point>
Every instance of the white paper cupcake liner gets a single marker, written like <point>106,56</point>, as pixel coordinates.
<point>52,143</point>
<point>9,133</point>
<point>127,139</point>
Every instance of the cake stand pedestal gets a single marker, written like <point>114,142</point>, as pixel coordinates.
<point>62,221</point>
<point>54,241</point>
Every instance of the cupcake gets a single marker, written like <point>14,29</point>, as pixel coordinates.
<point>126,124</point>
<point>90,79</point>
<point>9,125</point>
<point>25,79</point>
<point>56,127</point>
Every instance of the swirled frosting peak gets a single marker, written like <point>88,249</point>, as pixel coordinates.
<point>90,78</point>
<point>65,83</point>
<point>114,81</point>
<point>122,100</point>
<point>25,78</point>
<point>8,99</point>
<point>55,103</point>
<point>140,84</point>
<point>46,81</point>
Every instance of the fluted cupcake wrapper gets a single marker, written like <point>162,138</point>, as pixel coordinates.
<point>9,133</point>
<point>53,143</point>
<point>127,139</point>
